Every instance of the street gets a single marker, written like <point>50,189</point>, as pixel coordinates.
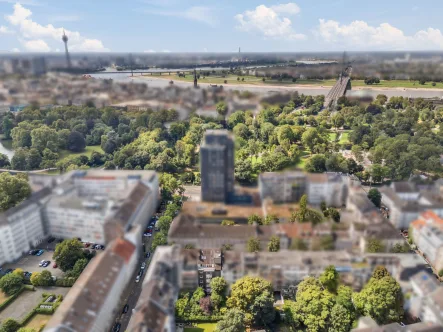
<point>132,292</point>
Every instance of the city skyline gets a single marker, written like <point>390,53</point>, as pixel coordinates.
<point>255,26</point>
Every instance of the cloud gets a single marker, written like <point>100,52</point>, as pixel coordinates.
<point>166,51</point>
<point>288,8</point>
<point>270,21</point>
<point>37,45</point>
<point>359,34</point>
<point>196,13</point>
<point>32,31</point>
<point>5,30</point>
<point>149,51</point>
<point>15,50</point>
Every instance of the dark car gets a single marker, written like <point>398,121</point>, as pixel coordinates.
<point>148,254</point>
<point>51,239</point>
<point>125,309</point>
<point>46,264</point>
<point>8,271</point>
<point>116,327</point>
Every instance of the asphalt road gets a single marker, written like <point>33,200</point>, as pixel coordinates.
<point>132,292</point>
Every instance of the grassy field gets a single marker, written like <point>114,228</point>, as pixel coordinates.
<point>203,327</point>
<point>87,152</point>
<point>252,80</point>
<point>37,321</point>
<point>304,156</point>
<point>344,138</point>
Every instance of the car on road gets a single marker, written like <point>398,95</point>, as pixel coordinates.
<point>150,227</point>
<point>116,327</point>
<point>143,266</point>
<point>137,278</point>
<point>40,252</point>
<point>42,262</point>
<point>148,254</point>
<point>51,239</point>
<point>149,235</point>
<point>146,234</point>
<point>55,265</point>
<point>46,264</point>
<point>125,308</point>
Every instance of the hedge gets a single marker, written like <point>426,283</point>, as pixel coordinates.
<point>44,311</point>
<point>11,299</point>
<point>28,317</point>
<point>200,319</point>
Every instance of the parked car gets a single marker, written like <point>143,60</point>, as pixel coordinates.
<point>157,229</point>
<point>137,278</point>
<point>51,239</point>
<point>41,263</point>
<point>55,266</point>
<point>8,271</point>
<point>40,252</point>
<point>87,245</point>
<point>116,327</point>
<point>148,254</point>
<point>149,234</point>
<point>46,264</point>
<point>143,266</point>
<point>125,308</point>
<point>146,234</point>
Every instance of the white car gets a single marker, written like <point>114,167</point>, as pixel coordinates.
<point>137,278</point>
<point>41,263</point>
<point>143,266</point>
<point>149,234</point>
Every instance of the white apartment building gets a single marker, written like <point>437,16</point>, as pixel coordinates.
<point>96,206</point>
<point>21,227</point>
<point>406,202</point>
<point>286,187</point>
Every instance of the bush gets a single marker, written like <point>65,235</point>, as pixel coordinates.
<point>65,282</point>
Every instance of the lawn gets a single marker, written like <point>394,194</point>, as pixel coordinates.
<point>87,152</point>
<point>304,156</point>
<point>3,297</point>
<point>232,79</point>
<point>202,327</point>
<point>344,138</point>
<point>37,321</point>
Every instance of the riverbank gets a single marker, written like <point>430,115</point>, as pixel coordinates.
<point>253,82</point>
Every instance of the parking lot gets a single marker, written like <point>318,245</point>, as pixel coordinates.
<point>30,263</point>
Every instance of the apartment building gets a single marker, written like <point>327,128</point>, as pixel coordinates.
<point>187,230</point>
<point>155,309</point>
<point>217,166</point>
<point>93,300</point>
<point>427,232</point>
<point>200,266</point>
<point>22,228</point>
<point>286,187</point>
<point>406,201</point>
<point>96,206</point>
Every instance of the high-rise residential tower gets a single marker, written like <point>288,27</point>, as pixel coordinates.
<point>217,166</point>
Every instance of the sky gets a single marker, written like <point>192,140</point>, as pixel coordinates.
<point>220,26</point>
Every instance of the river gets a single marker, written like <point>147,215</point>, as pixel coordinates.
<point>307,90</point>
